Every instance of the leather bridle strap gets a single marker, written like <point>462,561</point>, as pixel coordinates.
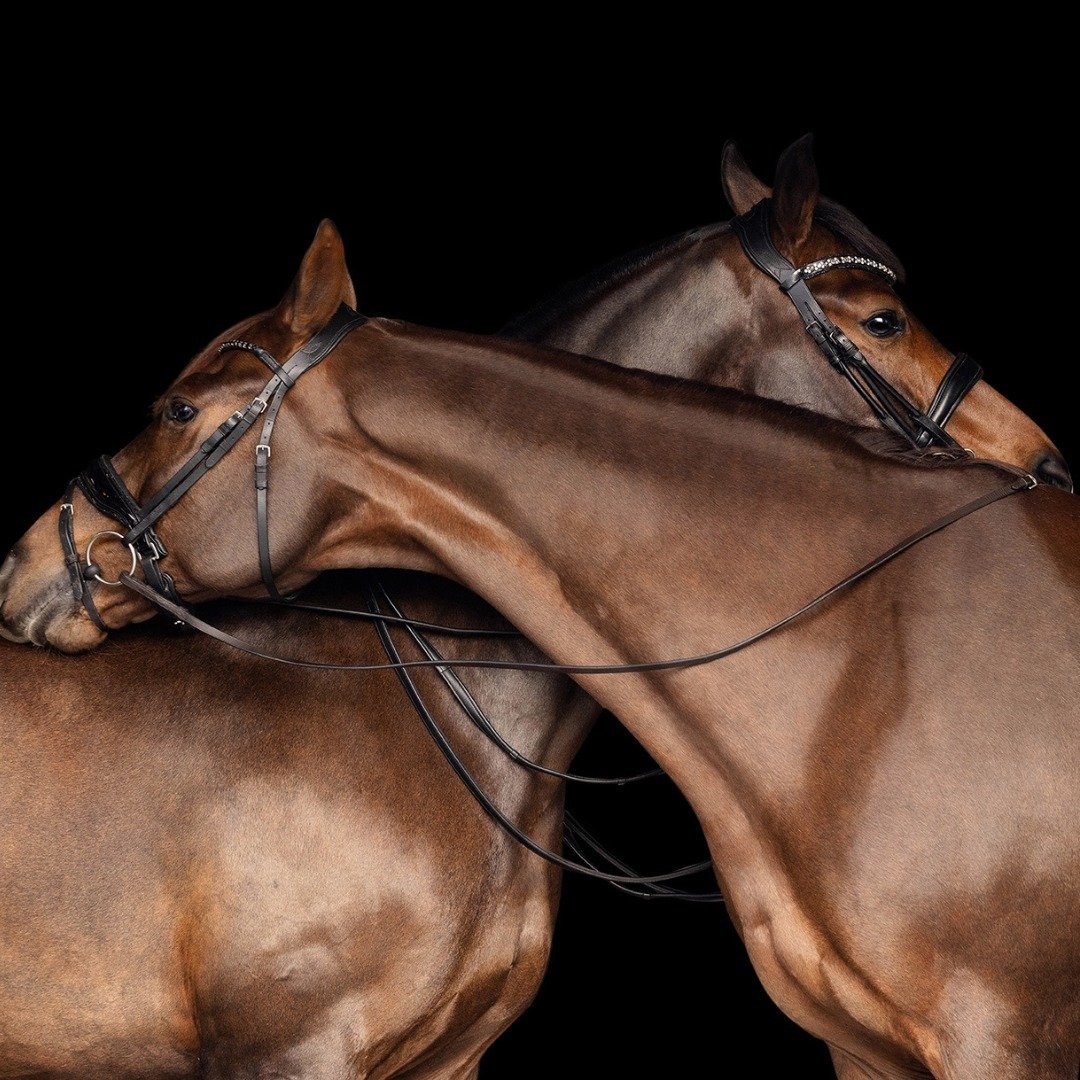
<point>79,586</point>
<point>1020,482</point>
<point>378,596</point>
<point>107,492</point>
<point>577,839</point>
<point>230,432</point>
<point>964,372</point>
<point>443,743</point>
<point>419,624</point>
<point>885,401</point>
<point>323,343</point>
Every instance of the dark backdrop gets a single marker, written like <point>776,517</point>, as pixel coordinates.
<point>134,244</point>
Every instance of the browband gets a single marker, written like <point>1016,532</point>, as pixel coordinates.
<point>885,401</point>
<point>847,262</point>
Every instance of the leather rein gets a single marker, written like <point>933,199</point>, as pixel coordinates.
<point>106,490</point>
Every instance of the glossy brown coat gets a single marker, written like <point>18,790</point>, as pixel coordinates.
<point>887,788</point>
<point>732,285</point>
<point>251,873</point>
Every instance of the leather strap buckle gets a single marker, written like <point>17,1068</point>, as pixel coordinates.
<point>154,548</point>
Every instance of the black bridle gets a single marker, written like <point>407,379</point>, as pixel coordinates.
<point>106,490</point>
<point>890,406</point>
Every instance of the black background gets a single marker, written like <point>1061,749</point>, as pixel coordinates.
<point>134,242</point>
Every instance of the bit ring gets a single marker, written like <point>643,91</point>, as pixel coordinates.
<point>90,561</point>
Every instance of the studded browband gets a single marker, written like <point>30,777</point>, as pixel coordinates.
<point>891,407</point>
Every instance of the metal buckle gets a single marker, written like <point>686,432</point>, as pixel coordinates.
<point>153,550</point>
<point>261,403</point>
<point>66,506</point>
<point>90,561</point>
<point>1032,482</point>
<point>263,446</point>
<point>845,345</point>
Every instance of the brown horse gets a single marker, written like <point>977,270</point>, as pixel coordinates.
<point>542,707</point>
<point>694,307</point>
<point>888,787</point>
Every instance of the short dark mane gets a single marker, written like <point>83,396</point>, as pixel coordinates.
<point>574,293</point>
<point>831,215</point>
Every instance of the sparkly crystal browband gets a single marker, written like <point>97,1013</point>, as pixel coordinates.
<point>847,262</point>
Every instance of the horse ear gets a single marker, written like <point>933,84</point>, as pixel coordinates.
<point>741,187</point>
<point>321,286</point>
<point>795,192</point>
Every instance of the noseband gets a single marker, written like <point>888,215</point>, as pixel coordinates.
<point>887,403</point>
<point>105,488</point>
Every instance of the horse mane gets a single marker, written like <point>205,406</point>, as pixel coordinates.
<point>577,293</point>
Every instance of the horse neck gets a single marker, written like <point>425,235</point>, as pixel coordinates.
<point>612,517</point>
<point>696,309</point>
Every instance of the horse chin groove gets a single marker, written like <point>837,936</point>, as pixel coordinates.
<point>59,625</point>
<point>70,632</point>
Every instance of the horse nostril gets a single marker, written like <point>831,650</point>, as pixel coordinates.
<point>1051,469</point>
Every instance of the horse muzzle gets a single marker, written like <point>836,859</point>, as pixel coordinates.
<point>37,603</point>
<point>1051,469</point>
<point>40,610</point>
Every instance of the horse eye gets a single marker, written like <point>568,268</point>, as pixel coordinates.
<point>884,324</point>
<point>181,412</point>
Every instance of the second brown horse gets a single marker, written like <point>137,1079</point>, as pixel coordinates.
<point>687,252</point>
<point>887,787</point>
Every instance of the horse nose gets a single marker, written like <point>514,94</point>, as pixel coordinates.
<point>1051,469</point>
